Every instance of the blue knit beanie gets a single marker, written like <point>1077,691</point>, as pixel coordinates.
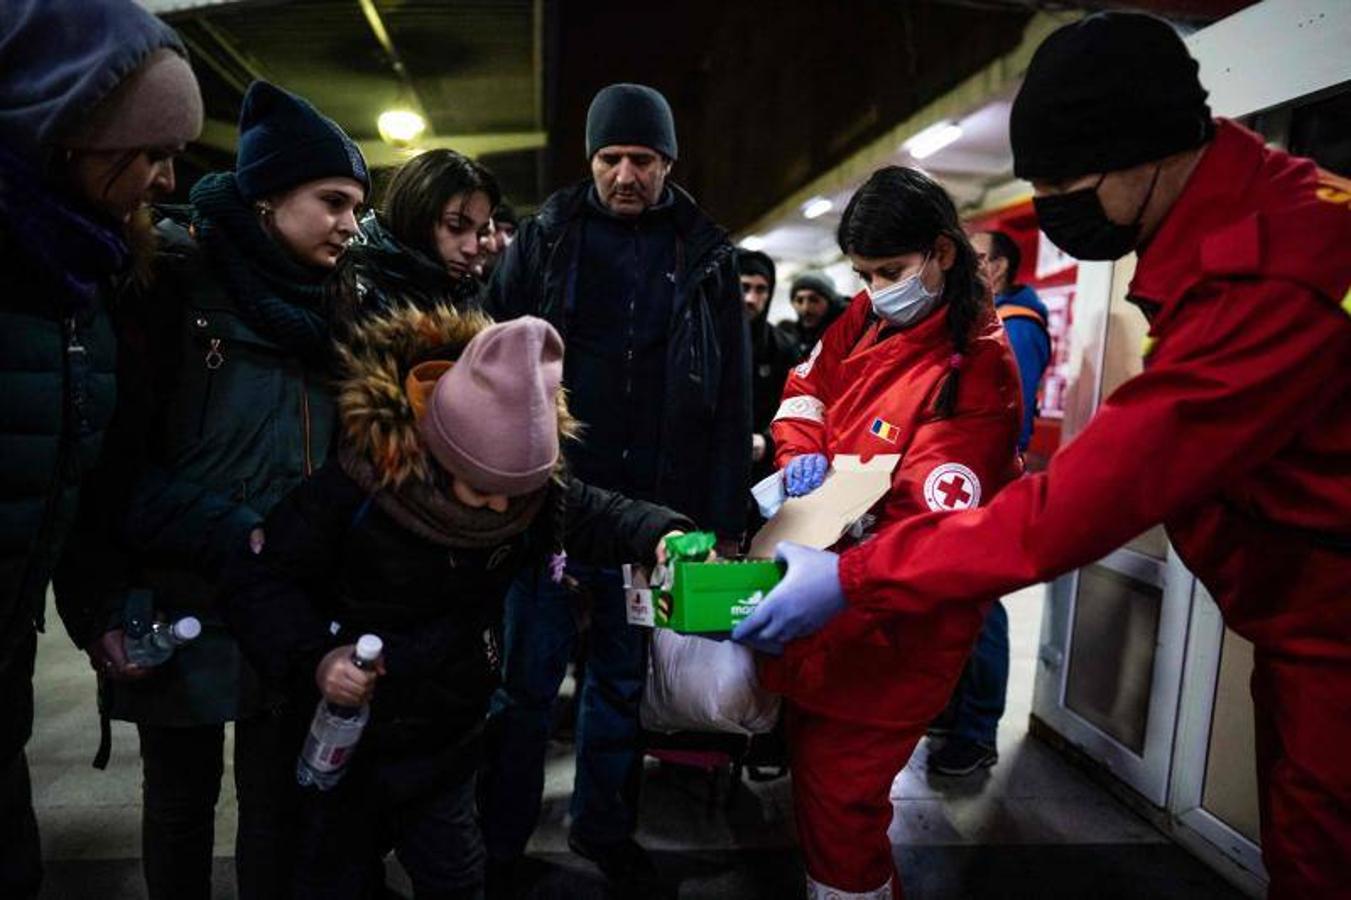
<point>630,114</point>
<point>284,141</point>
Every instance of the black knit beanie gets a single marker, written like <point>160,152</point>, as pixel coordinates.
<point>1106,93</point>
<point>630,114</point>
<point>814,281</point>
<point>754,262</point>
<point>284,141</point>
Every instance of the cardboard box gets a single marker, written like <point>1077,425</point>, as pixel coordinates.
<point>822,517</point>
<point>712,597</point>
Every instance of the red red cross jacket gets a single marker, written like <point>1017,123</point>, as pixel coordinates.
<point>858,394</point>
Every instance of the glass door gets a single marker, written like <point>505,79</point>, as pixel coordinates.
<point>1114,634</point>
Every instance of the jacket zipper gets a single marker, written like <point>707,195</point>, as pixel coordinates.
<point>214,360</point>
<point>64,444</point>
<point>305,424</point>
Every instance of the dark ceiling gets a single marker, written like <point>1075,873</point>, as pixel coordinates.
<point>470,66</point>
<point>767,95</point>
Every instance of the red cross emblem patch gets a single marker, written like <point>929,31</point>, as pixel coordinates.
<point>951,486</point>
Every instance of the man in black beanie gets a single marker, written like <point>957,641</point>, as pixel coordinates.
<point>644,287</point>
<point>773,353</point>
<point>1236,437</point>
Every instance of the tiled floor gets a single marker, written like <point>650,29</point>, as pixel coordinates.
<point>1031,827</point>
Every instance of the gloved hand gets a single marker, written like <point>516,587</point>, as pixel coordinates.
<point>804,474</point>
<point>802,603</point>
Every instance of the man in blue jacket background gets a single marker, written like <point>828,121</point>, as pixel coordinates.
<point>1023,314</point>
<point>972,717</point>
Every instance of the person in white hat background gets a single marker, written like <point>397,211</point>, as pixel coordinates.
<point>96,100</point>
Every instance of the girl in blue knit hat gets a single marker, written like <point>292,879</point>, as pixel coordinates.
<point>225,411</point>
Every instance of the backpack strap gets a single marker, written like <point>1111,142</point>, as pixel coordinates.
<point>1014,311</point>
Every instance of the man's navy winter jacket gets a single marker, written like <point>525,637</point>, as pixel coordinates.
<point>677,433</point>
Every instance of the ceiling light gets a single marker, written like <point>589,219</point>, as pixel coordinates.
<point>753,242</point>
<point>400,126</point>
<point>932,139</point>
<point>816,207</point>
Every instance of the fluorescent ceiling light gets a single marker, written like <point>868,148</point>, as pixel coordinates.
<point>753,242</point>
<point>932,139</point>
<point>816,207</point>
<point>400,126</point>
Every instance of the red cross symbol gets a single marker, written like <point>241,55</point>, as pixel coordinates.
<point>954,491</point>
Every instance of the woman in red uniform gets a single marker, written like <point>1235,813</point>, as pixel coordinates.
<point>918,366</point>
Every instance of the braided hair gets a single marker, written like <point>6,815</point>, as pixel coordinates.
<point>901,210</point>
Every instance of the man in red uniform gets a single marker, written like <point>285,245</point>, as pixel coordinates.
<point>1237,436</point>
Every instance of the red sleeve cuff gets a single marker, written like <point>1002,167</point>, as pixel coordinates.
<point>853,572</point>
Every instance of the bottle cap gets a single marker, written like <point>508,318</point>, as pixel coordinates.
<point>187,628</point>
<point>369,648</point>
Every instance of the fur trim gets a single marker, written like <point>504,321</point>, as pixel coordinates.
<point>376,416</point>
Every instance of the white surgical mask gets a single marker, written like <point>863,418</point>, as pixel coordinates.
<point>907,301</point>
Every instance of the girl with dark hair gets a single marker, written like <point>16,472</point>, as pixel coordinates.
<point>918,366</point>
<point>428,243</point>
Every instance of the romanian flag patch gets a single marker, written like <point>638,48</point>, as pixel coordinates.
<point>885,430</point>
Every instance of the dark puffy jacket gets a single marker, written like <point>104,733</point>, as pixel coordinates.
<point>57,393</point>
<point>704,466</point>
<point>334,557</point>
<point>379,272</point>
<point>229,422</point>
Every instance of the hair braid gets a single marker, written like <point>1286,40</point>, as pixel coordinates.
<point>963,310</point>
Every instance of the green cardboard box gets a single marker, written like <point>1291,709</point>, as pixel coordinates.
<point>711,597</point>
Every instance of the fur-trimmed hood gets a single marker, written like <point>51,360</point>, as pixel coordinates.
<point>374,411</point>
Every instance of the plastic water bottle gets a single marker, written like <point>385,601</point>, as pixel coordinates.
<point>335,730</point>
<point>159,643</point>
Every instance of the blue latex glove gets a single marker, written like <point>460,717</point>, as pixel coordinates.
<point>804,474</point>
<point>802,603</point>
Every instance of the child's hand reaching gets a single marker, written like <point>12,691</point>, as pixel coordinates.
<point>343,682</point>
<point>664,559</point>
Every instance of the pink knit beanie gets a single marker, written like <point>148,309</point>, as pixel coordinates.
<point>493,418</point>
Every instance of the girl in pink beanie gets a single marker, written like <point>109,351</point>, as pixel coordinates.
<point>447,481</point>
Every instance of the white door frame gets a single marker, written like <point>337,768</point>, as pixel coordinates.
<point>1192,748</point>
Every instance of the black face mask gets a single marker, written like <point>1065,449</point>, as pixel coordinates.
<point>1076,223</point>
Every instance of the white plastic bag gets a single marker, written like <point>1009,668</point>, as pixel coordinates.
<point>699,684</point>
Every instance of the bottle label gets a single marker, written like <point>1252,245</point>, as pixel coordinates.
<point>327,757</point>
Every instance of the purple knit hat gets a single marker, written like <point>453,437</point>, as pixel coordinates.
<point>493,418</point>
